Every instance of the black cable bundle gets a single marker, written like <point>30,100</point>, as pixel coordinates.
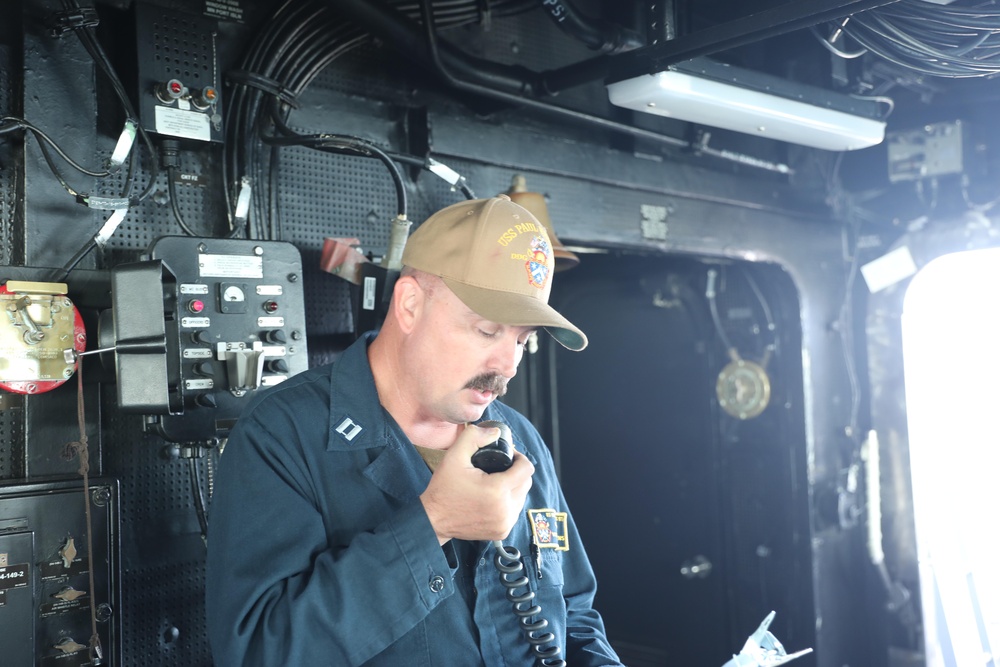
<point>297,43</point>
<point>88,38</point>
<point>957,40</point>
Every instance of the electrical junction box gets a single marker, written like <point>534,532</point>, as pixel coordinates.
<point>178,79</point>
<point>933,150</point>
<point>45,573</point>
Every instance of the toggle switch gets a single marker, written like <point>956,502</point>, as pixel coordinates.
<point>68,594</point>
<point>69,645</point>
<point>68,552</point>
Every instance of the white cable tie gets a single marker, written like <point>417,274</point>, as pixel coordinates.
<point>110,226</point>
<point>124,146</point>
<point>106,203</point>
<point>243,201</point>
<point>443,171</point>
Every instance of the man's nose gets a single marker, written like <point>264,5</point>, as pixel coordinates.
<point>507,356</point>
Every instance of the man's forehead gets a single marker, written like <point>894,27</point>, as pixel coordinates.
<point>466,314</point>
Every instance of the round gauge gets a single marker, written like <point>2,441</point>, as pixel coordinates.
<point>743,389</point>
<point>233,293</point>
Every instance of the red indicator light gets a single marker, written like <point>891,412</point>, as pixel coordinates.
<point>176,88</point>
<point>196,305</point>
<point>271,306</point>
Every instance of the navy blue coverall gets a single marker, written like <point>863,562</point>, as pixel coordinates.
<point>320,552</point>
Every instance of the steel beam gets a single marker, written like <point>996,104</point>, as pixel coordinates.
<point>772,22</point>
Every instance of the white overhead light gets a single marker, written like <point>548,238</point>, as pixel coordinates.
<point>754,108</point>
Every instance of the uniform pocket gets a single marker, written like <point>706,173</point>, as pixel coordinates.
<point>410,649</point>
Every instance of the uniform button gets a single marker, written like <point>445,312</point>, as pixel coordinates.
<point>482,561</point>
<point>436,583</point>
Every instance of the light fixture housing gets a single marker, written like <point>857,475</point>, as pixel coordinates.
<point>720,95</point>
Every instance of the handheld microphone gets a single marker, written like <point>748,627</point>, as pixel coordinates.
<point>499,454</point>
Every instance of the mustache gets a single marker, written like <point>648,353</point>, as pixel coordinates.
<point>493,382</point>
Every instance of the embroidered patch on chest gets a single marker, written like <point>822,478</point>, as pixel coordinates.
<point>549,529</point>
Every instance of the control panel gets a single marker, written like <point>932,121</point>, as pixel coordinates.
<point>46,573</point>
<point>201,326</point>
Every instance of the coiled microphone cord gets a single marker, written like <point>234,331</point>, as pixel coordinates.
<point>512,577</point>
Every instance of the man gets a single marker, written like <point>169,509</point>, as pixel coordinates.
<point>331,540</point>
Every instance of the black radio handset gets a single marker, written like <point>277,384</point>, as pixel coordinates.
<point>499,454</point>
<point>497,457</point>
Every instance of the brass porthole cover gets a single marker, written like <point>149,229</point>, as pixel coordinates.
<point>743,389</point>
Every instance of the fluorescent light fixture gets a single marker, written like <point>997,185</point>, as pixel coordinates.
<point>727,97</point>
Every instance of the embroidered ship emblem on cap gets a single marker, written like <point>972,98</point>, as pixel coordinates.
<point>538,262</point>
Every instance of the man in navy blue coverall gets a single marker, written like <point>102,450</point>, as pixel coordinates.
<point>348,525</point>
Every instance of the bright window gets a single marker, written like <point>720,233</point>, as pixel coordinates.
<point>951,352</point>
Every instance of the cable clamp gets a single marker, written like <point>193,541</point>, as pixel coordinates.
<point>106,203</point>
<point>59,23</point>
<point>243,202</point>
<point>265,84</point>
<point>124,146</point>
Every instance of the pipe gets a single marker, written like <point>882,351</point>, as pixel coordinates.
<point>755,27</point>
<point>568,114</point>
<point>368,14</point>
<point>597,34</point>
<point>396,30</point>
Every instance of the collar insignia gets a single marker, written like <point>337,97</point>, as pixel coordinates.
<point>349,429</point>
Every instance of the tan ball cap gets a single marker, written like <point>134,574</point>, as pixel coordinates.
<point>497,258</point>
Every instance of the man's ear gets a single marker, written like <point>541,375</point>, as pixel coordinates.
<point>407,302</point>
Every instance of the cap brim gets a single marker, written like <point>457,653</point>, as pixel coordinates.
<point>518,310</point>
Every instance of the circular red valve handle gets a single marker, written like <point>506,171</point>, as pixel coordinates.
<point>42,386</point>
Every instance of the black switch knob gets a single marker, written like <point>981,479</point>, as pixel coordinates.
<point>201,338</point>
<point>204,369</point>
<point>206,400</point>
<point>277,366</point>
<point>276,337</point>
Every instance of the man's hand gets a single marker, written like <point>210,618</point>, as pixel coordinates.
<point>464,502</point>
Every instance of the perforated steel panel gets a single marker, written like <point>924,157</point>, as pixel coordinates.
<point>11,253</point>
<point>174,633</point>
<point>335,195</point>
<point>180,45</point>
<point>199,198</point>
<point>12,249</point>
<point>163,570</point>
<point>11,439</point>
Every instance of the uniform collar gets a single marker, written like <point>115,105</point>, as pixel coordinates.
<point>356,416</point>
<point>359,422</point>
